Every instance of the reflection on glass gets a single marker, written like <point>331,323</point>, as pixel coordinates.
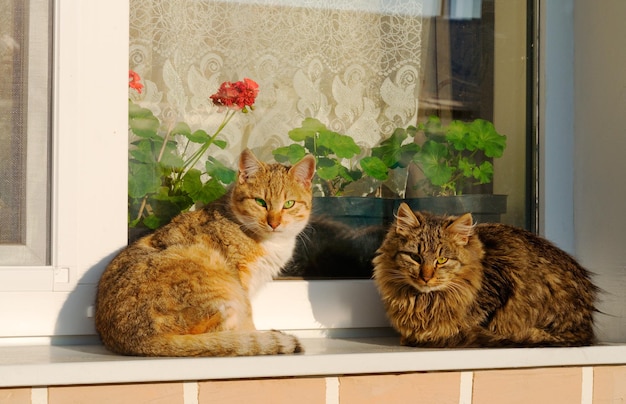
<point>371,88</point>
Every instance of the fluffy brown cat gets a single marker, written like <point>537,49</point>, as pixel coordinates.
<point>185,289</point>
<point>448,283</point>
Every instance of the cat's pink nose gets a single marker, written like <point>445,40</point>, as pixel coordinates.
<point>273,220</point>
<point>427,273</point>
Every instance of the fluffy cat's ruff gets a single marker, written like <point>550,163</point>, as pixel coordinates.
<point>185,289</point>
<point>495,285</point>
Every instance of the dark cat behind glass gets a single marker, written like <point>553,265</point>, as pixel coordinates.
<point>328,248</point>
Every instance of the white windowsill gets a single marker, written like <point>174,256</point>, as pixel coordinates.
<point>47,365</point>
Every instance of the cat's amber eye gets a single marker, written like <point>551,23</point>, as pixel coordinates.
<point>261,202</point>
<point>441,260</point>
<point>289,204</point>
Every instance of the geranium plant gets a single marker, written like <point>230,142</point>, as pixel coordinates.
<point>450,156</point>
<point>338,165</point>
<point>333,152</point>
<point>455,155</point>
<point>164,178</point>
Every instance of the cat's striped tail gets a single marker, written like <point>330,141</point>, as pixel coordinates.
<point>223,343</point>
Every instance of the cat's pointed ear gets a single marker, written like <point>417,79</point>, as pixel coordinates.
<point>406,220</point>
<point>304,170</point>
<point>462,229</point>
<point>248,165</point>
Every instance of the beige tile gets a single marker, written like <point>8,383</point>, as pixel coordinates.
<point>263,391</point>
<point>609,384</point>
<point>15,396</point>
<point>442,387</point>
<point>523,386</point>
<point>153,393</point>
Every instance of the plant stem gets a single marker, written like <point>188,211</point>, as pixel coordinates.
<point>165,140</point>
<point>195,157</point>
<point>145,198</point>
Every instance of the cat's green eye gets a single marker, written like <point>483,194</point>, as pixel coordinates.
<point>441,260</point>
<point>261,202</point>
<point>289,204</point>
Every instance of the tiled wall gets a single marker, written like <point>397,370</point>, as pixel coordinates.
<point>567,385</point>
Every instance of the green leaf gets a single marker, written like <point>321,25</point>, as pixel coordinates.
<point>199,136</point>
<point>328,173</point>
<point>292,153</point>
<point>460,136</point>
<point>411,130</point>
<point>310,127</point>
<point>191,182</point>
<point>209,192</point>
<point>319,139</point>
<point>393,153</point>
<point>310,144</point>
<point>350,175</point>
<point>143,151</point>
<point>327,169</point>
<point>484,172</point>
<point>219,171</point>
<point>433,129</point>
<point>181,128</point>
<point>488,139</point>
<point>346,175</point>
<point>432,161</point>
<point>375,168</point>
<point>165,205</point>
<point>466,167</point>
<point>142,121</point>
<point>143,179</point>
<point>220,143</point>
<point>152,222</point>
<point>170,158</point>
<point>342,146</point>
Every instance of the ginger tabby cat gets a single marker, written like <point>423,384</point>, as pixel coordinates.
<point>185,289</point>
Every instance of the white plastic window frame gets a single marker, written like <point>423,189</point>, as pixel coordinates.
<point>88,202</point>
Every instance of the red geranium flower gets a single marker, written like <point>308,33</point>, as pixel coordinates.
<point>133,81</point>
<point>237,96</point>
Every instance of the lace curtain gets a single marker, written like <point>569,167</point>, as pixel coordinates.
<point>353,64</point>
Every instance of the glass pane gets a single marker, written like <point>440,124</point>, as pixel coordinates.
<point>24,106</point>
<point>417,101</point>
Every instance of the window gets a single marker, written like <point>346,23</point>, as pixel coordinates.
<point>24,123</point>
<point>88,207</point>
